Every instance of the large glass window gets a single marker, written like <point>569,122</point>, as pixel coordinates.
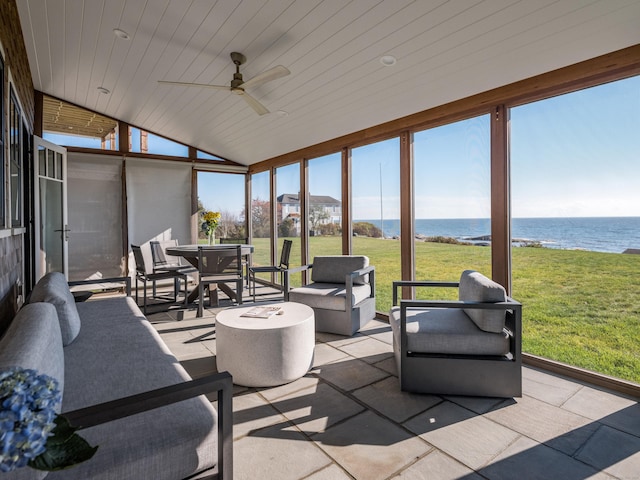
<point>452,201</point>
<point>145,142</point>
<point>261,218</point>
<point>207,156</point>
<point>16,148</point>
<point>575,169</point>
<point>375,207</point>
<point>325,205</point>
<point>289,214</point>
<point>224,193</point>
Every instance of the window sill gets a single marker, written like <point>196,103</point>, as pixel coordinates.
<point>10,232</point>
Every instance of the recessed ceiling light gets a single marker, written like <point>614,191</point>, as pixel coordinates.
<point>121,34</point>
<point>106,91</point>
<point>388,60</point>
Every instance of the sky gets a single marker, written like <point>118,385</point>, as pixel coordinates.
<point>578,154</point>
<point>573,155</point>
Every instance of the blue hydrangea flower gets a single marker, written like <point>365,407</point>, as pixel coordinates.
<point>27,415</point>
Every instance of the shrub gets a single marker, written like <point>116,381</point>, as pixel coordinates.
<point>366,229</point>
<point>287,228</point>
<point>328,229</point>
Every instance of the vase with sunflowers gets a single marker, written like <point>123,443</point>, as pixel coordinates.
<point>210,222</point>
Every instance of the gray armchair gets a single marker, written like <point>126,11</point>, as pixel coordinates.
<point>342,292</point>
<point>472,346</point>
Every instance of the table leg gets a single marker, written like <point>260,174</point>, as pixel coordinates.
<point>229,291</point>
<point>193,294</point>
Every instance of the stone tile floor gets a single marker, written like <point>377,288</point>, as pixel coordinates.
<point>348,419</point>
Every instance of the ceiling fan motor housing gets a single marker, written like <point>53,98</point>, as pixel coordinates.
<point>236,82</point>
<point>238,59</point>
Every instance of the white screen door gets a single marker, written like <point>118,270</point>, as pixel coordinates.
<point>51,229</point>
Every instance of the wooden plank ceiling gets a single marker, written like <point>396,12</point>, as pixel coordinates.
<point>445,50</point>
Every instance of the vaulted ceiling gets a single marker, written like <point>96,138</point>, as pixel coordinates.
<point>444,50</point>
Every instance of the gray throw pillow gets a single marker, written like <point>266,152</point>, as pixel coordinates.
<point>335,268</point>
<point>53,288</point>
<point>475,287</point>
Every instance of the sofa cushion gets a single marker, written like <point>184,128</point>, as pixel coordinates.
<point>475,287</point>
<point>446,331</point>
<point>53,288</point>
<point>328,296</point>
<point>118,353</point>
<point>33,340</point>
<point>335,268</point>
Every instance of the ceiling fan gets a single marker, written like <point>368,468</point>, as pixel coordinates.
<point>238,86</point>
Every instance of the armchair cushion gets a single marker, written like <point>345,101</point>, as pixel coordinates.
<point>334,269</point>
<point>475,287</point>
<point>447,331</point>
<point>328,296</point>
<point>53,288</point>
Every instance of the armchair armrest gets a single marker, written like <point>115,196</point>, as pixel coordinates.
<point>419,283</point>
<point>360,272</point>
<point>301,268</point>
<point>142,402</point>
<point>98,281</point>
<point>404,304</point>
<point>289,271</point>
<point>350,277</point>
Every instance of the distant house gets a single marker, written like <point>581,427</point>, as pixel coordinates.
<point>323,209</point>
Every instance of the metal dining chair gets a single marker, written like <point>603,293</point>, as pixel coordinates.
<point>162,262</point>
<point>146,274</point>
<point>219,266</point>
<point>246,261</point>
<point>281,268</point>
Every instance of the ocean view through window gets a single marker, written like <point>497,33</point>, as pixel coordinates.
<point>575,166</point>
<point>452,177</point>
<point>375,192</point>
<point>598,234</point>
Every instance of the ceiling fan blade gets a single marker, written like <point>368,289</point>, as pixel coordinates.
<point>255,104</point>
<point>186,84</point>
<point>266,76</point>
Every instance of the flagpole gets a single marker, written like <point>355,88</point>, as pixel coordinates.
<point>381,215</point>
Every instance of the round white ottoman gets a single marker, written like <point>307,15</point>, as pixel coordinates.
<point>263,352</point>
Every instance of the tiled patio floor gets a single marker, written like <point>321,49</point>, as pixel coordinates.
<point>348,419</point>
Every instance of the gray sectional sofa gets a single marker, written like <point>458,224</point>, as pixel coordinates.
<point>122,385</point>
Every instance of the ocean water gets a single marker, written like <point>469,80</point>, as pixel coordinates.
<point>600,234</point>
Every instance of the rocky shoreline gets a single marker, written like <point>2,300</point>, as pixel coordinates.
<point>485,241</point>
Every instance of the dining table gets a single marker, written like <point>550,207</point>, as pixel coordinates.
<point>190,254</point>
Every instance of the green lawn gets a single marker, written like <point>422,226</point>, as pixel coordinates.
<point>581,308</point>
